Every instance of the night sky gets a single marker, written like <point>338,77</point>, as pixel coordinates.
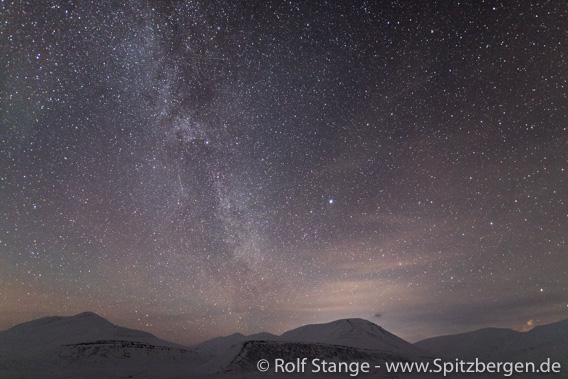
<point>196,169</point>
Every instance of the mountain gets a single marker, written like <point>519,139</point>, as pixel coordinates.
<point>223,350</point>
<point>357,333</point>
<point>349,338</point>
<point>85,345</point>
<point>353,332</point>
<point>244,364</point>
<point>81,328</point>
<point>217,345</point>
<point>505,345</point>
<point>483,343</point>
<point>88,346</point>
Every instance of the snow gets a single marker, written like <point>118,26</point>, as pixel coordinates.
<point>220,344</point>
<point>482,343</point>
<point>81,328</point>
<point>244,363</point>
<point>505,345</point>
<point>354,332</point>
<point>87,345</point>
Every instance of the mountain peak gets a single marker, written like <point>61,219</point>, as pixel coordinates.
<point>86,314</point>
<point>85,327</point>
<point>353,332</point>
<point>67,325</point>
<point>358,323</point>
<point>90,317</point>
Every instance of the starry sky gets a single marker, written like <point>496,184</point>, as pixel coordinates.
<point>195,169</point>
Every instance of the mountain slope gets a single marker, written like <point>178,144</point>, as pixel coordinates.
<point>244,363</point>
<point>219,344</point>
<point>81,328</point>
<point>86,345</point>
<point>505,345</point>
<point>349,338</point>
<point>483,343</point>
<point>356,333</point>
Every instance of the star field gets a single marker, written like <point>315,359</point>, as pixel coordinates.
<point>195,169</point>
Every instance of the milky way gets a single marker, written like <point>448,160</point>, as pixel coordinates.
<point>195,169</point>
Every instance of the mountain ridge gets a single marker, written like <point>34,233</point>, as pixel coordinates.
<point>505,345</point>
<point>87,342</point>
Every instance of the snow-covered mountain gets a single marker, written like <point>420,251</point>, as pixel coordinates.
<point>505,345</point>
<point>87,345</point>
<point>346,338</point>
<point>244,364</point>
<point>482,343</point>
<point>217,345</point>
<point>353,332</point>
<point>81,328</point>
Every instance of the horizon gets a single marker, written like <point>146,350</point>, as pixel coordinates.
<point>204,168</point>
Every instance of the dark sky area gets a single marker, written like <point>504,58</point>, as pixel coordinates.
<point>195,169</point>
